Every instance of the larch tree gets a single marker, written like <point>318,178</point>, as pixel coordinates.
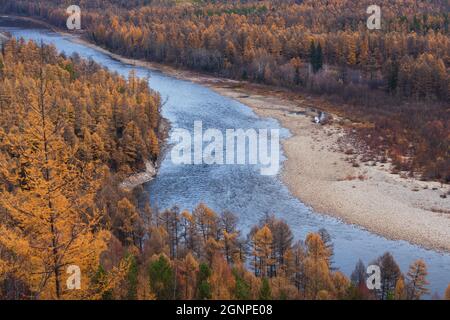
<point>299,277</point>
<point>328,242</point>
<point>317,272</point>
<point>189,270</point>
<point>230,246</point>
<point>400,289</point>
<point>171,220</point>
<point>230,235</point>
<point>61,127</point>
<point>417,282</point>
<point>52,221</point>
<point>222,281</point>
<point>351,55</point>
<point>341,285</point>
<point>189,232</point>
<point>132,143</point>
<point>153,144</point>
<point>263,252</point>
<point>206,221</point>
<point>127,223</point>
<point>282,239</point>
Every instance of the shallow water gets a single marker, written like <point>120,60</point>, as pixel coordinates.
<point>242,189</point>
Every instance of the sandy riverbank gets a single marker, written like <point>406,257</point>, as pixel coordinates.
<point>322,175</point>
<point>318,173</point>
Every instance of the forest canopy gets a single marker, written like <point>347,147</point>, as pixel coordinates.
<point>395,79</point>
<point>69,130</point>
<point>61,205</point>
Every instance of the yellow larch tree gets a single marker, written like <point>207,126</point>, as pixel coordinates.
<point>189,270</point>
<point>417,282</point>
<point>222,281</point>
<point>400,289</point>
<point>50,220</point>
<point>262,251</point>
<point>317,269</point>
<point>341,285</point>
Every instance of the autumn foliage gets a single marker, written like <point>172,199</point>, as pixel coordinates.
<point>396,79</point>
<point>70,131</point>
<point>67,127</point>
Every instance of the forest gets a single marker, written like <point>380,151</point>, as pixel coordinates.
<point>61,205</point>
<point>70,131</point>
<point>394,81</point>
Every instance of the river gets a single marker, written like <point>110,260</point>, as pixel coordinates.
<point>241,189</point>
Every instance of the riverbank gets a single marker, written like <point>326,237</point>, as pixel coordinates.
<point>151,169</point>
<point>319,173</point>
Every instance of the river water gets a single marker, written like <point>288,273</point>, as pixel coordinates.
<point>242,189</point>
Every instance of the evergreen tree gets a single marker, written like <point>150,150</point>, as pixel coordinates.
<point>132,279</point>
<point>100,280</point>
<point>316,56</point>
<point>392,75</point>
<point>203,285</point>
<point>162,279</point>
<point>242,289</point>
<point>265,292</point>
